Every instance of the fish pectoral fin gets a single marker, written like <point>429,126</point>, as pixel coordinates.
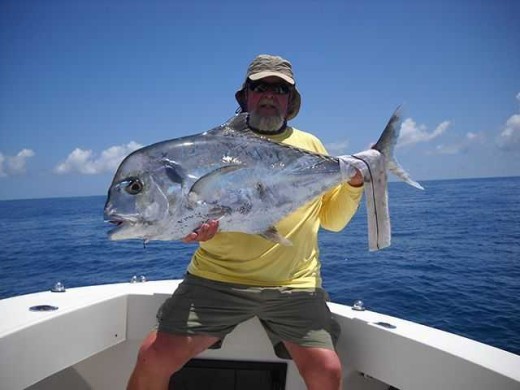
<point>205,183</point>
<point>272,234</point>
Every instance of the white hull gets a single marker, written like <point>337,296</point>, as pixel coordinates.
<point>92,340</point>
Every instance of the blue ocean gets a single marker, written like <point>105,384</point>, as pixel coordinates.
<point>454,263</point>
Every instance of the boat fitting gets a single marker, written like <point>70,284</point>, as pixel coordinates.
<point>58,288</point>
<point>358,306</point>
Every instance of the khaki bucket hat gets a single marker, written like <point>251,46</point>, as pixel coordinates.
<point>266,65</point>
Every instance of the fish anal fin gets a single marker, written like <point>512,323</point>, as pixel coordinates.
<point>272,234</point>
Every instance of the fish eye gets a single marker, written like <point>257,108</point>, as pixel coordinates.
<point>134,186</point>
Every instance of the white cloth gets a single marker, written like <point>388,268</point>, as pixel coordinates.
<point>372,165</point>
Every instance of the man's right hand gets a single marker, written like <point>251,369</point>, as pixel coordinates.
<point>205,232</point>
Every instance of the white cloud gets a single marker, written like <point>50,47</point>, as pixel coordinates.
<point>509,138</point>
<point>15,165</point>
<point>446,149</point>
<point>471,136</point>
<point>337,148</point>
<point>88,163</point>
<point>462,146</point>
<point>411,133</point>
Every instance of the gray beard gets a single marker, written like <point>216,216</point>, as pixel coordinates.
<point>266,123</point>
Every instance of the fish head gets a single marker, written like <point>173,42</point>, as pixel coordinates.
<point>142,196</point>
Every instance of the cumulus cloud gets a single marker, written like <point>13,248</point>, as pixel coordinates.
<point>15,165</point>
<point>462,146</point>
<point>411,133</point>
<point>88,163</point>
<point>509,138</point>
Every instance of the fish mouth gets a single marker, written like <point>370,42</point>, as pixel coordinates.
<point>117,223</point>
<point>117,220</point>
<point>120,225</point>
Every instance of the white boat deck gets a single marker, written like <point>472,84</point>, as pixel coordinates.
<point>91,341</point>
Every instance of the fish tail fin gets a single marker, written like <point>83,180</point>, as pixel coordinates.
<point>386,145</point>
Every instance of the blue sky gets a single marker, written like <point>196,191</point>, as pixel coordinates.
<point>82,83</point>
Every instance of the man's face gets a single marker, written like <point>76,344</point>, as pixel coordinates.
<point>267,103</point>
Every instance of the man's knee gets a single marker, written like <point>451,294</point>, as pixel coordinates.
<point>165,354</point>
<point>158,357</point>
<point>320,368</point>
<point>329,368</point>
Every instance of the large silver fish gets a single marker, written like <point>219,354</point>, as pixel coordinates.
<point>166,190</point>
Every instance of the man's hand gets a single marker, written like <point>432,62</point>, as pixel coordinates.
<point>349,172</point>
<point>205,232</point>
<point>356,180</point>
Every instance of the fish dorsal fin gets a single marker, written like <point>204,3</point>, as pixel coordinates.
<point>202,189</point>
<point>238,122</point>
<point>273,235</point>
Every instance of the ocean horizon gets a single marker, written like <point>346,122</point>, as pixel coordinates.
<point>391,179</point>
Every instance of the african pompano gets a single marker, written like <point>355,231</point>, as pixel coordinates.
<point>166,190</point>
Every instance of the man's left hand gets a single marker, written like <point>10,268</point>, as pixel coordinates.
<point>356,180</point>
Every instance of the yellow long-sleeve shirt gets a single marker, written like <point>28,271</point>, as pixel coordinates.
<point>252,260</point>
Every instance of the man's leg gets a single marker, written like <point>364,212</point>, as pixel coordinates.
<point>198,306</point>
<point>319,367</point>
<point>162,354</point>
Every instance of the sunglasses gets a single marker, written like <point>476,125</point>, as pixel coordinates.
<point>277,88</point>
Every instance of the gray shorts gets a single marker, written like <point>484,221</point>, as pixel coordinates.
<point>202,306</point>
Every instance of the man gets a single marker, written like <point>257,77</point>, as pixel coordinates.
<point>232,276</point>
